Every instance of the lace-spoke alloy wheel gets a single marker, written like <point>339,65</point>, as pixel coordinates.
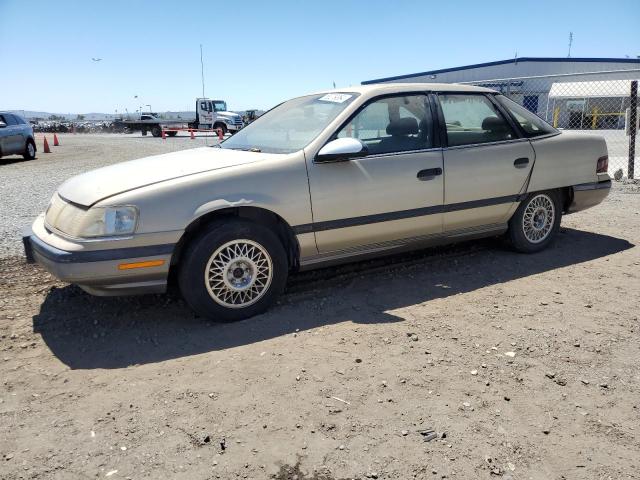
<point>233,269</point>
<point>539,218</point>
<point>238,273</point>
<point>536,221</point>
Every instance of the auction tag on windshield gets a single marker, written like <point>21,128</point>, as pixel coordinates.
<point>335,97</point>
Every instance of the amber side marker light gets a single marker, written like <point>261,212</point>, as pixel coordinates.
<point>150,263</point>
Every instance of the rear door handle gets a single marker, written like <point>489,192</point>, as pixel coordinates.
<point>521,162</point>
<point>429,173</point>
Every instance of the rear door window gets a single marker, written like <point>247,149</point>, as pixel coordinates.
<point>473,119</point>
<point>8,119</point>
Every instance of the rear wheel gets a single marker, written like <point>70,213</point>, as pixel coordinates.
<point>156,131</point>
<point>172,134</point>
<point>29,150</point>
<point>536,222</point>
<point>233,270</point>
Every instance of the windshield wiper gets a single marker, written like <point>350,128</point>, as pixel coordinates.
<point>249,149</point>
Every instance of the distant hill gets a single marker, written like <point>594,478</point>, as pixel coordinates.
<point>33,115</point>
<point>94,116</point>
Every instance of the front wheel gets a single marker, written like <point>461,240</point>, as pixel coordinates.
<point>29,150</point>
<point>536,222</point>
<point>156,131</point>
<point>233,270</point>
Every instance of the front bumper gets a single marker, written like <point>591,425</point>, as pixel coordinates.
<point>100,271</point>
<point>232,127</point>
<point>588,195</point>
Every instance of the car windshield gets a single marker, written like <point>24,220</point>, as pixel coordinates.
<point>292,125</point>
<point>219,106</point>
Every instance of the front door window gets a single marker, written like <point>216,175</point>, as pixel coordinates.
<point>392,125</point>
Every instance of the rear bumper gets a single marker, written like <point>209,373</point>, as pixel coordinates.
<point>100,272</point>
<point>587,195</point>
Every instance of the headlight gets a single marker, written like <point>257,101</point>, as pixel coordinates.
<point>77,222</point>
<point>109,221</point>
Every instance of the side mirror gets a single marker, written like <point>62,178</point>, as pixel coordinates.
<point>342,149</point>
<point>2,124</point>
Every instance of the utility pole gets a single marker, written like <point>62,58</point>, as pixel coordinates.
<point>570,43</point>
<point>202,70</point>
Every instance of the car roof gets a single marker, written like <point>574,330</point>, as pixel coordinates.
<point>384,88</point>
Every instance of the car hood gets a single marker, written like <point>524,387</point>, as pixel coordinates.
<point>228,114</point>
<point>91,187</point>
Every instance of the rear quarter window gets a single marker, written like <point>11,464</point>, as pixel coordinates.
<point>532,124</point>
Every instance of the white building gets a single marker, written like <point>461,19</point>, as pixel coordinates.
<point>528,80</point>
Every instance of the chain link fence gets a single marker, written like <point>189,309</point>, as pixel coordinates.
<point>597,102</point>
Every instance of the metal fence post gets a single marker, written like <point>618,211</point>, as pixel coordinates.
<point>633,112</point>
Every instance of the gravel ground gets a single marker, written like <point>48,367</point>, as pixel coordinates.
<point>523,366</point>
<point>27,187</point>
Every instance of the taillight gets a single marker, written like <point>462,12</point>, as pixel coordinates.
<point>603,164</point>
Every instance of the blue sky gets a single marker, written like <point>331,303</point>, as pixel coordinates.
<point>258,53</point>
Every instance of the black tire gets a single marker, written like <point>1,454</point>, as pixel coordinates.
<point>156,131</point>
<point>29,150</point>
<point>199,253</point>
<point>221,126</point>
<point>172,134</point>
<point>516,235</point>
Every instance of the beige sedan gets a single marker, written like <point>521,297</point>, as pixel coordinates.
<point>321,179</point>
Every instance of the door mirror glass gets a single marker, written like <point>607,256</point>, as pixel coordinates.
<point>342,149</point>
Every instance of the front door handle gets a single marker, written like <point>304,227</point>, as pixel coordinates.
<point>521,162</point>
<point>429,173</point>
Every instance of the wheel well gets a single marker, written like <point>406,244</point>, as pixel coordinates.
<point>258,215</point>
<point>566,195</point>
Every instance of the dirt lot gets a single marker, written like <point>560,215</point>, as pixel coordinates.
<point>525,366</point>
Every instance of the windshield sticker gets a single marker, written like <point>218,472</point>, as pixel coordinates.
<point>335,97</point>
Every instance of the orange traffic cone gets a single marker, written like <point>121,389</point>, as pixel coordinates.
<point>164,137</point>
<point>46,146</point>
<point>220,134</point>
<point>193,137</point>
<point>55,141</point>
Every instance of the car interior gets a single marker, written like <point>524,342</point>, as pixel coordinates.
<point>393,125</point>
<point>493,129</point>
